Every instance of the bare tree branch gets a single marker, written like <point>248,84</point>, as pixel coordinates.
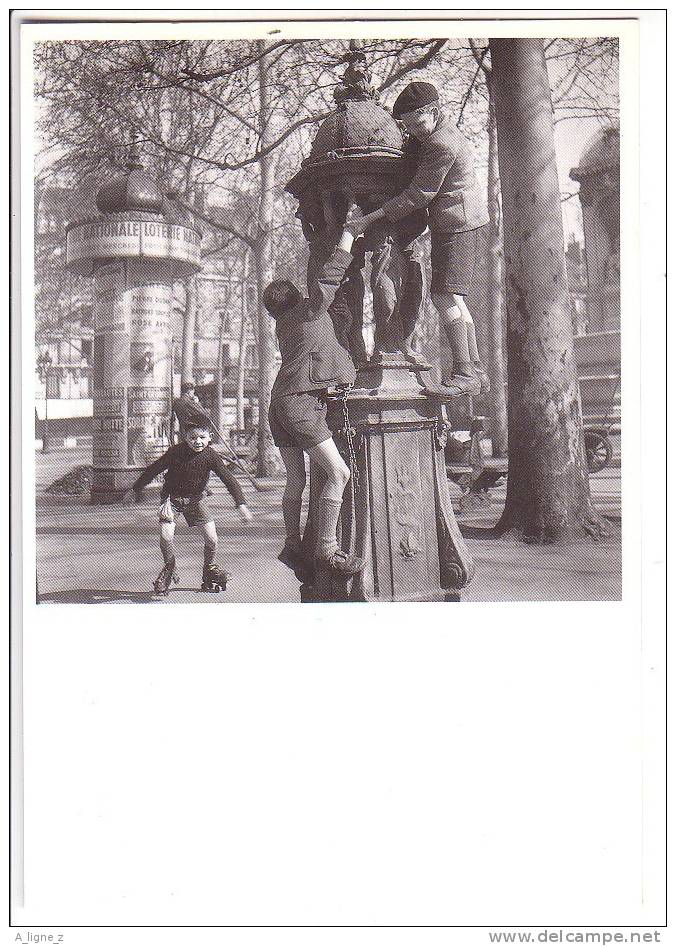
<point>418,63</point>
<point>212,222</point>
<point>469,90</point>
<point>480,56</point>
<point>249,61</point>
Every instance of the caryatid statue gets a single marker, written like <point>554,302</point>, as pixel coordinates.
<point>358,156</point>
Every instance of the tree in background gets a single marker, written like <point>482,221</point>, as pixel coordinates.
<point>548,496</point>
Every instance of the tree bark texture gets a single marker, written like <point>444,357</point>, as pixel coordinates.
<point>496,291</point>
<point>548,497</point>
<point>188,343</point>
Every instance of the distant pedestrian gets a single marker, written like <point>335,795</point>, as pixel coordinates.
<point>187,410</point>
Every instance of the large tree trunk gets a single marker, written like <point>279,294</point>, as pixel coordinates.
<point>267,463</point>
<point>496,290</point>
<point>548,496</point>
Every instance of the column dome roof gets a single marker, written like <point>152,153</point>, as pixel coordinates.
<point>601,154</point>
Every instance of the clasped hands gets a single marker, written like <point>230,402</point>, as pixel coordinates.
<point>357,222</point>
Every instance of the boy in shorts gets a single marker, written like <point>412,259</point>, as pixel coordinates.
<point>313,361</point>
<point>188,465</point>
<point>446,184</point>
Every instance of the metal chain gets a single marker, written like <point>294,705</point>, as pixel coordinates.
<point>347,427</point>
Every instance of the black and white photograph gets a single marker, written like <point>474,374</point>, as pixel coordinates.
<point>337,501</point>
<point>379,282</point>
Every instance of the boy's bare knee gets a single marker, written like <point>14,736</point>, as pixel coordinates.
<point>326,456</point>
<point>446,305</point>
<point>462,305</point>
<point>338,474</point>
<point>343,474</point>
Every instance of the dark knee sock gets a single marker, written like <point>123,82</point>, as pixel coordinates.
<point>327,526</point>
<point>471,342</point>
<point>167,549</point>
<point>210,549</point>
<point>457,337</point>
<point>291,512</point>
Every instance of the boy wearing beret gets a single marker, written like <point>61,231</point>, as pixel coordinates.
<point>446,184</point>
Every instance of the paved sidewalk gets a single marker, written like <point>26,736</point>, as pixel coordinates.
<point>110,553</point>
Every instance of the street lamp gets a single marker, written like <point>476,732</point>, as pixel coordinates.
<point>44,364</point>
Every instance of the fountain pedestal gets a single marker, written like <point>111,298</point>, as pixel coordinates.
<point>397,512</point>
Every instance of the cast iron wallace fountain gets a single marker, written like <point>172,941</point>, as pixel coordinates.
<point>397,511</point>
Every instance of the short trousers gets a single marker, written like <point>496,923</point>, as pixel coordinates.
<point>298,420</point>
<point>194,508</point>
<point>453,260</point>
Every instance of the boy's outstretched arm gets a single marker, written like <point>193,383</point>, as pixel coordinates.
<point>425,186</point>
<point>358,223</point>
<point>420,193</point>
<point>150,472</point>
<point>229,481</point>
<point>148,475</point>
<point>332,272</point>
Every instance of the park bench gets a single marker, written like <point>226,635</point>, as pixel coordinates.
<point>474,472</point>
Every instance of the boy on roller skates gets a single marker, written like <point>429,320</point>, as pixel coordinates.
<point>188,465</point>
<point>312,362</point>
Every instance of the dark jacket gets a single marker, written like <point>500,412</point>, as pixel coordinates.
<point>312,357</point>
<point>188,473</point>
<point>445,182</point>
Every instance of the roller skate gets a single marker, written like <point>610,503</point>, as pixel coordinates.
<point>214,579</point>
<point>163,581</point>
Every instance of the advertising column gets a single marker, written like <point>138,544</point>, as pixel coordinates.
<point>148,299</point>
<point>133,264</point>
